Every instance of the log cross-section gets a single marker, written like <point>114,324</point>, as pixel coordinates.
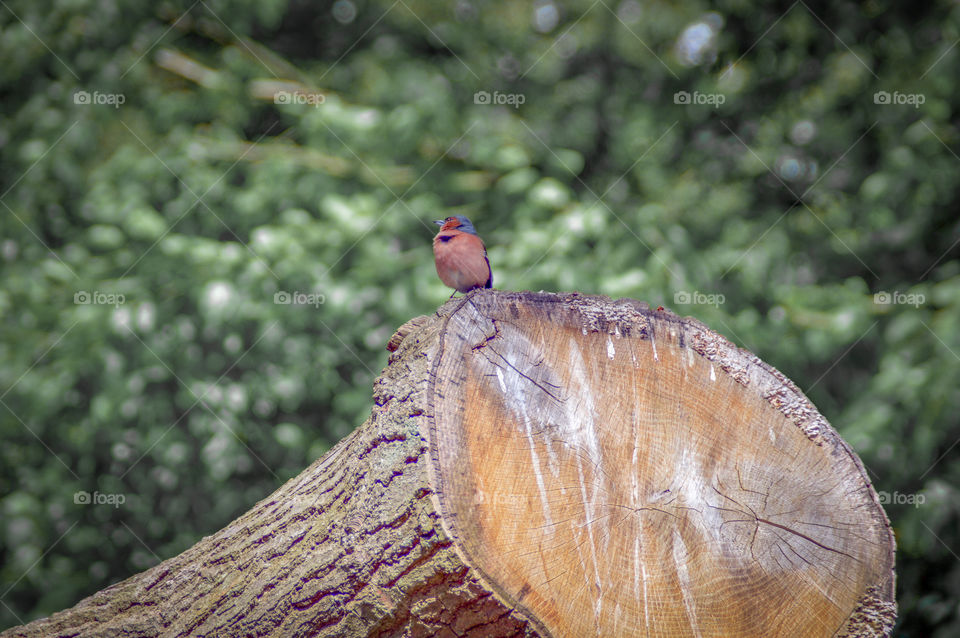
<point>612,470</point>
<point>552,465</point>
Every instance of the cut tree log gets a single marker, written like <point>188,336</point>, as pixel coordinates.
<point>552,465</point>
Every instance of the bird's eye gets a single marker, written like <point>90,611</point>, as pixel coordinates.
<point>446,238</point>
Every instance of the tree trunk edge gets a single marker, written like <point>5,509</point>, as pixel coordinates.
<point>352,546</point>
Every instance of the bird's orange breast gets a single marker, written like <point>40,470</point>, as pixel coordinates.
<point>461,260</point>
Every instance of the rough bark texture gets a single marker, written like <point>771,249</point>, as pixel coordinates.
<point>520,476</point>
<point>350,547</point>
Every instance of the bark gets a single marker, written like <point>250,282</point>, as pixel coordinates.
<point>540,464</point>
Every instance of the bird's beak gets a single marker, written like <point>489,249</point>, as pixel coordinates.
<point>439,222</point>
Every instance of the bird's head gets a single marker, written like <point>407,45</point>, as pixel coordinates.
<point>456,222</point>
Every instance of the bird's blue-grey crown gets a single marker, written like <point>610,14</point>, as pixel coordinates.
<point>466,225</point>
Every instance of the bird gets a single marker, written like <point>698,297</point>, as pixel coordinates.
<point>460,256</point>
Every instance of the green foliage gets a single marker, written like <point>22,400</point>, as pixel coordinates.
<point>780,199</point>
